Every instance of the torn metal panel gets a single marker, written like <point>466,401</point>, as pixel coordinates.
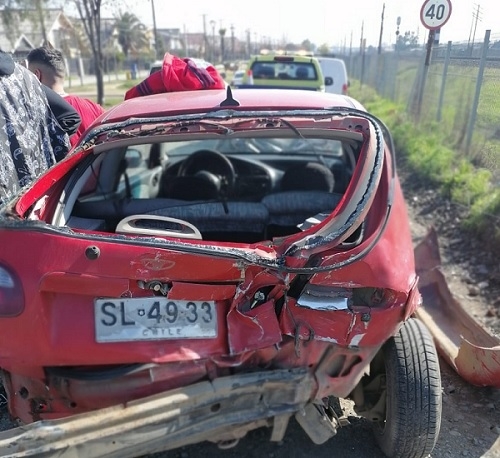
<point>205,411</point>
<point>468,347</point>
<point>324,299</point>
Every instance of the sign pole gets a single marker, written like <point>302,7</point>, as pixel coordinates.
<point>430,42</point>
<point>427,63</point>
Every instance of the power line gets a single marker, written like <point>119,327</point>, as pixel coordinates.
<point>476,16</point>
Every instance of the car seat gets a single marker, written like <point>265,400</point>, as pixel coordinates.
<point>301,73</point>
<point>306,190</point>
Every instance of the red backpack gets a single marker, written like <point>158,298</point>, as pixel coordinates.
<point>178,75</point>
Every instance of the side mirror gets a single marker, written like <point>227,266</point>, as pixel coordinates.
<point>133,158</point>
<point>328,80</point>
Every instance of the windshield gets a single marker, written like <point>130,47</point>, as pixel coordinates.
<point>281,146</point>
<point>303,71</point>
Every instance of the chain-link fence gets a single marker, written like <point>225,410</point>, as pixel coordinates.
<point>455,85</point>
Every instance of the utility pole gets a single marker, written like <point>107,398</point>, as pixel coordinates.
<point>212,24</point>
<point>186,43</point>
<point>205,38</point>
<point>155,31</point>
<point>381,31</point>
<point>248,51</point>
<point>232,42</point>
<point>361,41</point>
<point>222,34</point>
<point>476,17</point>
<point>398,23</point>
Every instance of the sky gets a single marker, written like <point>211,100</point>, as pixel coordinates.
<point>335,22</point>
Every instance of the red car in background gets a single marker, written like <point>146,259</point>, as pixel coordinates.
<point>210,262</point>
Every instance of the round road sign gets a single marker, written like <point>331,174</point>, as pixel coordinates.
<point>435,13</point>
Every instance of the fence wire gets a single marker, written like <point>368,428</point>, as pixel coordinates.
<point>459,77</point>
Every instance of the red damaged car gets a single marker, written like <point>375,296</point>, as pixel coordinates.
<point>206,263</point>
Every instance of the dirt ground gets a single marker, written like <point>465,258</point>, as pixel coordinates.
<point>471,415</point>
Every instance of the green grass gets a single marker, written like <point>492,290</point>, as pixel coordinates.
<point>111,88</point>
<point>460,90</point>
<point>430,154</point>
<point>111,101</point>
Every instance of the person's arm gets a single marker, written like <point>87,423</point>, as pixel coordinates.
<point>66,115</point>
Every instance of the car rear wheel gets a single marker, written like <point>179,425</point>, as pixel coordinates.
<point>413,394</point>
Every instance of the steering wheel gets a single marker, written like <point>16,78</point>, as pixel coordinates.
<point>211,166</point>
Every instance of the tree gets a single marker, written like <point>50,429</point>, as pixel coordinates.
<point>222,33</point>
<point>39,13</point>
<point>307,45</point>
<point>324,50</point>
<point>132,33</point>
<point>408,40</point>
<point>90,14</point>
<point>291,47</point>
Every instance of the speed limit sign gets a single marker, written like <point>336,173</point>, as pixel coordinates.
<point>435,13</point>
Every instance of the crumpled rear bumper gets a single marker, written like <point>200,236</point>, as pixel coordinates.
<point>225,408</point>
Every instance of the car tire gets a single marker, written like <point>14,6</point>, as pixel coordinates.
<point>414,398</point>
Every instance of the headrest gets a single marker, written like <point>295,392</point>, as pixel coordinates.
<point>311,176</point>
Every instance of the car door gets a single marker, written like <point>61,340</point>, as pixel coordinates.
<point>142,170</point>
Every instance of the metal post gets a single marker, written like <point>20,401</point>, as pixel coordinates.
<point>443,81</point>
<point>476,18</point>
<point>361,40</point>
<point>248,51</point>
<point>362,64</point>
<point>381,30</point>
<point>212,23</point>
<point>421,89</point>
<point>232,43</point>
<point>155,31</point>
<point>205,39</point>
<point>479,82</point>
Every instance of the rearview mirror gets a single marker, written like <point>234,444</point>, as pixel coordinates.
<point>328,80</point>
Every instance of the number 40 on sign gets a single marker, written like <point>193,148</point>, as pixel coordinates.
<point>435,13</point>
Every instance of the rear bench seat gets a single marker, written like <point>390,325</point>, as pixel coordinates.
<point>248,217</point>
<point>215,217</point>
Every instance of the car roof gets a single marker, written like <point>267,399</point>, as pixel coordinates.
<point>202,101</point>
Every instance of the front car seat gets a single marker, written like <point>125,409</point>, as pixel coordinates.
<point>306,190</point>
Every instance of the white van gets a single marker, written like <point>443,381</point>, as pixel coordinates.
<point>335,69</point>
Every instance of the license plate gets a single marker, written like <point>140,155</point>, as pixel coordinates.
<point>153,318</point>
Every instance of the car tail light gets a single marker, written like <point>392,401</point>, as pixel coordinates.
<point>373,297</point>
<point>344,89</point>
<point>11,293</point>
<point>337,298</point>
<point>250,76</point>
